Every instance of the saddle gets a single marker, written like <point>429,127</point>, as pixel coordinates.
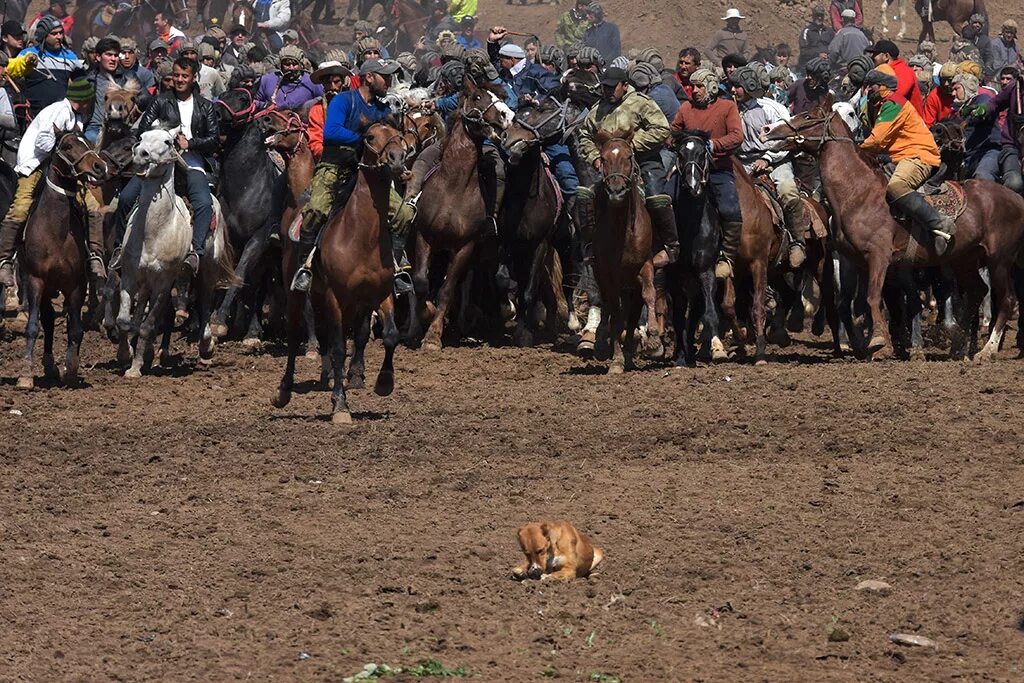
<point>948,198</point>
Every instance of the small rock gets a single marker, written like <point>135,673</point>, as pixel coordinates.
<point>15,411</point>
<point>305,655</point>
<point>910,640</point>
<point>880,587</point>
<point>706,621</point>
<point>838,634</point>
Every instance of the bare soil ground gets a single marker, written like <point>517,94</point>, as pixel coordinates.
<point>178,527</point>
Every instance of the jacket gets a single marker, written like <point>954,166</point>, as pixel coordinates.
<point>143,75</point>
<point>755,115</point>
<point>849,42</point>
<point>604,38</point>
<point>665,98</point>
<point>906,84</point>
<point>900,132</point>
<point>1011,100</point>
<point>530,78</point>
<point>937,106</point>
<point>1002,55</point>
<point>462,8</point>
<point>726,42</point>
<point>570,29</point>
<point>835,12</point>
<point>636,112</point>
<point>38,141</point>
<point>315,129</point>
<point>980,135</point>
<point>205,122</point>
<point>48,82</point>
<point>286,95</point>
<point>814,40</point>
<point>348,117</point>
<point>279,16</point>
<point>721,121</point>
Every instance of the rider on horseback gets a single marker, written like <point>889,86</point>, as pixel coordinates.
<point>900,132</point>
<point>720,119</point>
<point>36,146</point>
<point>757,114</point>
<point>198,139</point>
<point>622,108</point>
<point>349,115</point>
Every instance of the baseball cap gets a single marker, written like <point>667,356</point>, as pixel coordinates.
<point>512,50</point>
<point>613,76</point>
<point>384,67</point>
<point>12,28</point>
<point>886,46</point>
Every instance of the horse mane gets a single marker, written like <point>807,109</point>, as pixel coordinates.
<point>131,87</point>
<point>690,133</point>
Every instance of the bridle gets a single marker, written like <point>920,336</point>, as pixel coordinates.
<point>634,171</point>
<point>378,152</point>
<point>248,113</point>
<point>700,167</point>
<point>535,128</point>
<point>410,115</point>
<point>476,114</point>
<point>827,135</point>
<point>293,124</point>
<point>72,166</point>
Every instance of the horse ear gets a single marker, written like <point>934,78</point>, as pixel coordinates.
<point>602,136</point>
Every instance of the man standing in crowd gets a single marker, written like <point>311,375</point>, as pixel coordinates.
<point>730,40</point>
<point>602,35</point>
<point>815,38</point>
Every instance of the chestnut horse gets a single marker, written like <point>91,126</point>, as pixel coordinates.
<point>451,206</point>
<point>354,277</point>
<point>52,258</point>
<point>988,233</point>
<point>954,12</point>
<point>622,251</point>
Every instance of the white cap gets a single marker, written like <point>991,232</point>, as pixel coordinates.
<point>512,50</point>
<point>733,13</point>
<point>848,14</point>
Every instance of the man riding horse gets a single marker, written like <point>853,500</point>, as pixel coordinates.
<point>623,108</point>
<point>899,131</point>
<point>36,146</point>
<point>198,140</point>
<point>349,115</point>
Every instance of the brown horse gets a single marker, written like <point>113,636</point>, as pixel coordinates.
<point>355,276</point>
<point>954,12</point>
<point>623,265</point>
<point>988,233</point>
<point>451,206</point>
<point>52,257</point>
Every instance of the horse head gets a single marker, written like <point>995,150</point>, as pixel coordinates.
<point>284,131</point>
<point>236,107</point>
<point>583,88</point>
<point>693,159</point>
<point>483,112</point>
<point>119,101</point>
<point>155,150</point>
<point>532,126</point>
<point>74,157</point>
<point>384,146</point>
<point>421,126</point>
<point>619,170</point>
<point>808,132</point>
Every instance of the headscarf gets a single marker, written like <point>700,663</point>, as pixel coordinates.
<point>708,79</point>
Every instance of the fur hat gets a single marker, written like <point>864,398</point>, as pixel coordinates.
<point>970,84</point>
<point>881,75</point>
<point>652,57</point>
<point>46,23</point>
<point>589,55</point>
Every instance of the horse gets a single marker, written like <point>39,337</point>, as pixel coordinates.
<point>451,207</point>
<point>691,281</point>
<point>52,259</point>
<point>956,13</point>
<point>900,6</point>
<point>988,232</point>
<point>531,210</point>
<point>155,244</point>
<point>949,136</point>
<point>622,247</point>
<point>355,276</point>
<point>135,21</point>
<point>247,181</point>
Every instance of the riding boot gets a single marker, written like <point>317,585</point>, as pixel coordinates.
<point>95,245</point>
<point>492,189</point>
<point>303,250</point>
<point>400,218</point>
<point>663,220</point>
<point>916,207</point>
<point>730,246</point>
<point>797,225</point>
<point>9,231</point>
<point>585,213</point>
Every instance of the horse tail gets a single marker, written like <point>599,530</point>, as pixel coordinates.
<point>224,253</point>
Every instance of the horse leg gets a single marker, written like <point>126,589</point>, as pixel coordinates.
<point>616,330</point>
<point>880,344</point>
<point>144,342</point>
<point>523,335</point>
<point>296,305</point>
<point>385,383</point>
<point>73,303</point>
<point>1003,300</point>
<point>456,268</point>
<point>682,311</point>
<point>312,346</point>
<point>167,329</point>
<point>759,275</point>
<point>653,346</point>
<point>47,316</point>
<point>250,253</point>
<point>33,300</point>
<point>357,364</point>
<point>972,291</point>
<point>336,344</point>
<point>418,301</point>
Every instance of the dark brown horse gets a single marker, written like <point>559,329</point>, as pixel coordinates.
<point>354,277</point>
<point>622,251</point>
<point>52,257</point>
<point>451,206</point>
<point>531,210</point>
<point>988,233</point>
<point>954,12</point>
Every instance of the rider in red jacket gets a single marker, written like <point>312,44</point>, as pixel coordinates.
<point>886,52</point>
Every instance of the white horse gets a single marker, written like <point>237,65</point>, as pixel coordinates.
<point>903,17</point>
<point>153,251</point>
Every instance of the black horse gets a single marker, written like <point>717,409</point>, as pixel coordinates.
<point>691,281</point>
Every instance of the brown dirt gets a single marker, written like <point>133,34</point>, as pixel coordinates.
<point>177,527</point>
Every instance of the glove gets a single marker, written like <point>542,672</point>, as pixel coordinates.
<point>980,111</point>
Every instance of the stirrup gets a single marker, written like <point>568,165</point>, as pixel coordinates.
<point>492,223</point>
<point>303,280</point>
<point>724,268</point>
<point>413,200</point>
<point>96,262</point>
<point>115,259</point>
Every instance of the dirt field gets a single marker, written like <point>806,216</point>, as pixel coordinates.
<point>178,527</point>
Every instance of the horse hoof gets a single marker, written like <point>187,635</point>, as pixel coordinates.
<point>430,346</point>
<point>780,338</point>
<point>252,343</point>
<point>205,353</point>
<point>132,373</point>
<point>884,353</point>
<point>356,382</point>
<point>342,417</point>
<point>385,384</point>
<point>204,363</point>
<point>26,383</point>
<point>281,398</point>
<point>180,317</point>
<point>616,369</point>
<point>917,354</point>
<point>312,354</point>
<point>760,363</point>
<point>877,342</point>
<point>985,355</point>
<point>50,370</point>
<point>219,330</point>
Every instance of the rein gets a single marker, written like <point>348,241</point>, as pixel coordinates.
<point>293,124</point>
<point>634,166</point>
<point>534,128</point>
<point>421,143</point>
<point>701,167</point>
<point>826,135</point>
<point>399,135</point>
